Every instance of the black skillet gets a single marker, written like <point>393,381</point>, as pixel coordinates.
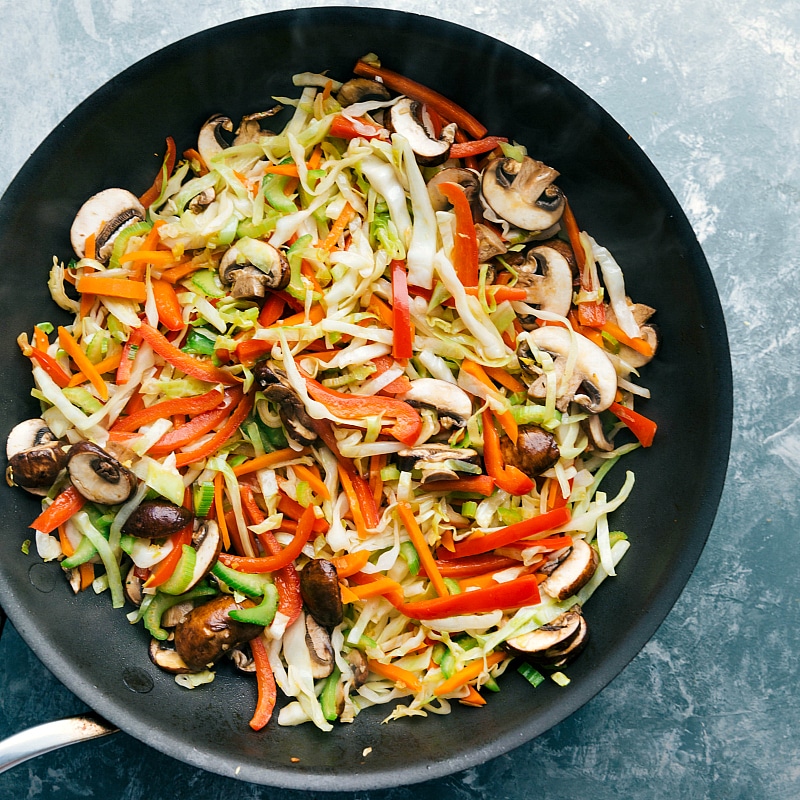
<point>114,138</point>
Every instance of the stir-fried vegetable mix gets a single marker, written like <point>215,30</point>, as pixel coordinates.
<point>337,403</point>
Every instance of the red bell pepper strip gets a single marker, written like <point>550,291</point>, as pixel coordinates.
<point>465,248</point>
<point>178,405</point>
<point>402,327</point>
<point>347,128</point>
<point>287,581</point>
<point>292,509</point>
<point>407,422</point>
<point>523,591</point>
<point>443,106</point>
<point>485,543</point>
<point>469,567</point>
<point>220,437</point>
<point>399,385</point>
<point>167,305</point>
<point>202,370</point>
<point>163,174</point>
<point>363,495</point>
<point>65,506</point>
<point>190,431</point>
<point>129,350</point>
<point>643,428</point>
<point>282,559</point>
<point>265,680</point>
<point>50,366</point>
<point>476,147</point>
<point>507,477</point>
<point>475,484</point>
<point>162,571</point>
<point>250,349</point>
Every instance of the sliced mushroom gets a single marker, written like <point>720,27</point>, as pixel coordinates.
<point>210,140</point>
<point>450,402</point>
<point>251,267</point>
<point>358,663</point>
<point>594,428</point>
<point>468,179</point>
<point>406,118</point>
<point>202,200</point>
<point>35,456</point>
<point>320,649</point>
<point>250,129</point>
<point>438,462</point>
<point>319,588</point>
<point>99,477</point>
<point>176,614</point>
<point>207,542</point>
<point>360,90</point>
<point>293,414</point>
<point>535,451</point>
<point>208,632</point>
<point>523,193</point>
<point>649,332</point>
<point>489,243</point>
<point>593,380</point>
<point>133,587</point>
<point>554,634</point>
<point>561,655</point>
<point>547,277</point>
<point>156,519</point>
<point>165,656</point>
<point>572,573</point>
<point>104,215</point>
<point>243,659</point>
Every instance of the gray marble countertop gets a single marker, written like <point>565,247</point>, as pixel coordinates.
<point>709,89</point>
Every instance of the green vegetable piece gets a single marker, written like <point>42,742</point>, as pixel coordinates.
<point>409,553</point>
<point>327,698</point>
<point>263,613</point>
<point>247,584</point>
<point>182,575</point>
<point>448,664</point>
<point>532,675</point>
<point>83,552</point>
<point>203,497</point>
<point>161,602</point>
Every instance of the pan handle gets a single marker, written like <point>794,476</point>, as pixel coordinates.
<point>50,736</point>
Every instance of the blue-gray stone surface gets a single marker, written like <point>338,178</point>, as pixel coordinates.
<point>710,89</point>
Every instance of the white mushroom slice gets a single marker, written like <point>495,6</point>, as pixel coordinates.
<point>438,462</point>
<point>99,477</point>
<point>489,243</point>
<point>407,120</point>
<point>167,658</point>
<point>593,380</point>
<point>320,649</point>
<point>522,193</point>
<point>572,573</point>
<point>210,141</point>
<point>547,277</point>
<point>207,541</point>
<point>467,179</point>
<point>252,267</point>
<point>35,457</point>
<point>555,634</point>
<point>450,402</point>
<point>104,215</point>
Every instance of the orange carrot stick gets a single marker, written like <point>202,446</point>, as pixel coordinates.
<point>74,351</point>
<point>468,673</point>
<point>421,546</point>
<point>395,673</point>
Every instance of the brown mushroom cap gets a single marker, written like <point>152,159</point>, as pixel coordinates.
<point>319,587</point>
<point>573,573</point>
<point>154,519</point>
<point>208,632</point>
<point>535,452</point>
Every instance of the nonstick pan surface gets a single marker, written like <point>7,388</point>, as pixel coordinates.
<point>114,138</point>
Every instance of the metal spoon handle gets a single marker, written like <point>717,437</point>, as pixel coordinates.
<point>50,736</point>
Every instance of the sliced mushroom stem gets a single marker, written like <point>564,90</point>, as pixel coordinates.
<point>103,216</point>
